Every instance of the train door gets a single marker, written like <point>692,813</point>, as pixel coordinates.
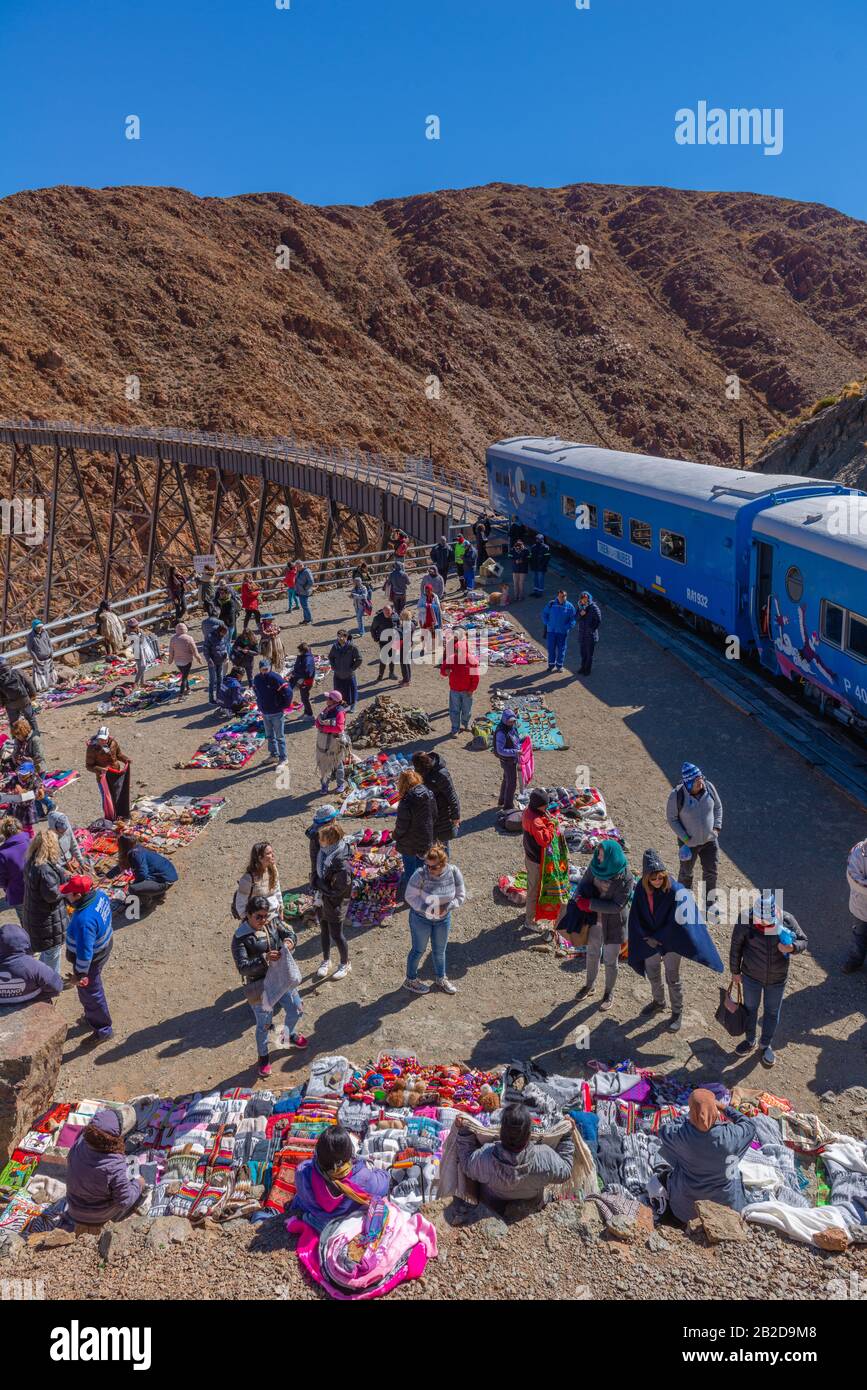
<point>761,616</point>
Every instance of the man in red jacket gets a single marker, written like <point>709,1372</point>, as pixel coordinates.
<point>462,668</point>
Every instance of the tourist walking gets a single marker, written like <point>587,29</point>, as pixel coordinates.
<point>245,649</point>
<point>145,649</point>
<point>112,770</point>
<point>361,603</point>
<point>441,556</point>
<point>694,812</point>
<point>763,941</point>
<point>414,825</point>
<point>433,892</point>
<point>303,677</point>
<point>176,589</point>
<point>41,655</point>
<point>461,666</point>
<point>44,908</point>
<point>272,696</point>
<point>88,946</point>
<point>396,586</point>
<point>333,882</point>
<point>589,621</point>
<point>559,617</point>
<point>216,649</point>
<point>250,594</point>
<point>435,775</point>
<point>430,616</point>
<point>332,743</point>
<point>304,586</point>
<point>507,747</point>
<point>601,901</point>
<point>345,659</point>
<point>262,951</point>
<point>540,555</point>
<point>185,654</point>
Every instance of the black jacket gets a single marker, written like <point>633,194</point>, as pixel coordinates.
<point>44,908</point>
<point>540,554</point>
<point>448,807</point>
<point>344,660</point>
<point>335,884</point>
<point>521,561</point>
<point>470,556</point>
<point>755,954</point>
<point>15,687</point>
<point>383,624</point>
<point>414,826</point>
<point>249,949</point>
<point>441,556</point>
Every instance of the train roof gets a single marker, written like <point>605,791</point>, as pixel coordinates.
<point>705,487</point>
<point>835,527</point>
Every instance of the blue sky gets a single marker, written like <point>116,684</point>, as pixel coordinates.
<point>327,100</point>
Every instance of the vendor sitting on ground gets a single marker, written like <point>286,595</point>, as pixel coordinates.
<point>334,1183</point>
<point>231,692</point>
<point>23,978</point>
<point>701,1150</point>
<point>513,1168</point>
<point>152,874</point>
<point>98,1185</point>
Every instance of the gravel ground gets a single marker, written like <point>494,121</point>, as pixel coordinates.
<point>181,1023</point>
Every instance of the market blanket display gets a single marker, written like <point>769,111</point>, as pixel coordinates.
<point>164,825</point>
<point>233,745</point>
<point>53,782</point>
<point>236,1153</point>
<point>536,720</point>
<point>583,814</point>
<point>129,699</point>
<point>375,867</point>
<point>506,646</point>
<point>102,673</point>
<point>371,785</point>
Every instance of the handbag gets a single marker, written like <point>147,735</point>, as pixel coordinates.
<point>731,1013</point>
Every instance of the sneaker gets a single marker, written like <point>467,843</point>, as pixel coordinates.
<point>342,971</point>
<point>323,970</point>
<point>264,1066</point>
<point>744,1048</point>
<point>446,986</point>
<point>583,991</point>
<point>606,1003</point>
<point>675,1023</point>
<point>768,1057</point>
<point>652,1008</point>
<point>297,1039</point>
<point>417,986</point>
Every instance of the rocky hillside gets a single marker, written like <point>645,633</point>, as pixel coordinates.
<point>830,443</point>
<point>478,287</point>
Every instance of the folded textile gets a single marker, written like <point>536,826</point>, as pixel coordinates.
<point>849,1153</point>
<point>801,1223</point>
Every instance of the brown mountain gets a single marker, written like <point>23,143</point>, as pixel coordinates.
<point>478,287</point>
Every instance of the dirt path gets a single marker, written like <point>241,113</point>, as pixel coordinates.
<point>181,1022</point>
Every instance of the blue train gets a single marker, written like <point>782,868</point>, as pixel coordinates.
<point>777,562</point>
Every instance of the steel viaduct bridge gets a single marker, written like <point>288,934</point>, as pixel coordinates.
<point>98,511</point>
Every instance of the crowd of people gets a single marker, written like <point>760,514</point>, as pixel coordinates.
<point>656,921</point>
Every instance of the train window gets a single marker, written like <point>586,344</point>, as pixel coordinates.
<point>612,523</point>
<point>672,546</point>
<point>542,489</point>
<point>640,533</point>
<point>794,584</point>
<point>568,505</point>
<point>857,638</point>
<point>832,623</point>
<point>532,489</point>
<point>589,518</point>
<point>523,486</point>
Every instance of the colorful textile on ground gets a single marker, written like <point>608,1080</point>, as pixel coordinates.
<point>536,720</point>
<point>232,746</point>
<point>506,646</point>
<point>554,886</point>
<point>163,825</point>
<point>372,785</point>
<point>102,673</point>
<point>375,870</point>
<point>584,816</point>
<point>52,782</point>
<point>128,699</point>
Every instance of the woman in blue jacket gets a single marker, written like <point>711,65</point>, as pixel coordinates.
<point>153,874</point>
<point>507,746</point>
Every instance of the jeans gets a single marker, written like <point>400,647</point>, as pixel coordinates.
<point>291,601</point>
<point>509,783</point>
<point>708,853</point>
<point>252,613</point>
<point>422,930</point>
<point>411,862</point>
<point>275,728</point>
<point>51,958</point>
<point>469,577</point>
<point>305,607</point>
<point>654,966</point>
<point>609,954</point>
<point>304,692</point>
<point>184,673</point>
<point>858,949</point>
<point>538,581</point>
<point>753,992</point>
<point>359,619</point>
<point>557,648</point>
<point>290,1003</point>
<point>93,1000</point>
<point>460,709</point>
<point>215,677</point>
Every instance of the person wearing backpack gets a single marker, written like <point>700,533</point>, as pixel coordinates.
<point>695,814</point>
<point>16,693</point>
<point>261,949</point>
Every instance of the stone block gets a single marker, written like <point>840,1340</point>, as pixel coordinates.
<point>31,1046</point>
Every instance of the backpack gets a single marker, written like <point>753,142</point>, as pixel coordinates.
<point>12,688</point>
<point>681,794</point>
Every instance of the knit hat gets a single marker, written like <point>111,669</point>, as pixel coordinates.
<point>652,864</point>
<point>334,697</point>
<point>324,814</point>
<point>539,536</point>
<point>608,860</point>
<point>76,886</point>
<point>538,800</point>
<point>36,622</point>
<point>765,909</point>
<point>689,773</point>
<point>27,768</point>
<point>264,664</point>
